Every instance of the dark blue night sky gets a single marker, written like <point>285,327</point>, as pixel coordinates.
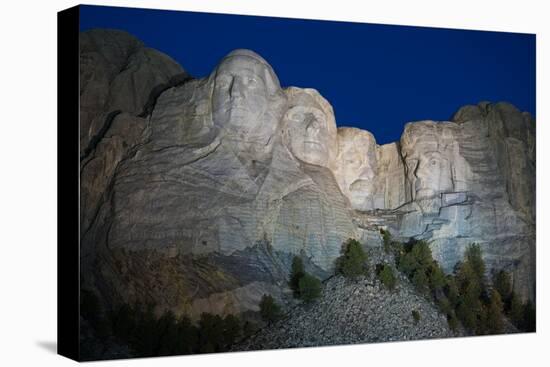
<point>376,77</point>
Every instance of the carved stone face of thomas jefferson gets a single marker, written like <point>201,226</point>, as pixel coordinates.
<point>310,128</point>
<point>247,100</point>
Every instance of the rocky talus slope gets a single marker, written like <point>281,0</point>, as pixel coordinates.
<point>351,312</point>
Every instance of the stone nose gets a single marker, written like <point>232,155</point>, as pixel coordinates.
<point>366,174</point>
<point>237,89</point>
<point>312,125</point>
<point>418,184</point>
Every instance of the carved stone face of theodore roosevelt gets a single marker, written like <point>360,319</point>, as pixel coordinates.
<point>357,167</point>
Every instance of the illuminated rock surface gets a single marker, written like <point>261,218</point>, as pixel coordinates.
<point>196,193</point>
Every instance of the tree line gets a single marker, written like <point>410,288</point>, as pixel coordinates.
<point>148,335</point>
<point>465,296</point>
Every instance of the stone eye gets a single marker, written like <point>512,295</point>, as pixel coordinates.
<point>412,164</point>
<point>223,82</point>
<point>319,116</point>
<point>252,82</point>
<point>297,116</point>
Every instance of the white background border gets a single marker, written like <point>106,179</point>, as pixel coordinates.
<point>28,181</point>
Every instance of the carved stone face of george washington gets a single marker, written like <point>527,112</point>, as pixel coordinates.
<point>247,100</point>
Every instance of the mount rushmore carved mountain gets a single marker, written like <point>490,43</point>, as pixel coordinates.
<point>197,193</point>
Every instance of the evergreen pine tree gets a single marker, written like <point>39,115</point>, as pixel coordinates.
<point>269,309</point>
<point>296,273</point>
<point>516,311</point>
<point>503,284</point>
<point>352,262</point>
<point>494,313</point>
<point>310,288</point>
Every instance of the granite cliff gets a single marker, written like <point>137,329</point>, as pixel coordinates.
<point>197,193</point>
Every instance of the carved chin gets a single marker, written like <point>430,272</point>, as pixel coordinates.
<point>425,193</point>
<point>237,115</point>
<point>360,186</point>
<point>314,153</point>
<point>314,147</point>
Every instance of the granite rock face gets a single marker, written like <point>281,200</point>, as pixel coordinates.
<point>117,73</point>
<point>371,176</point>
<point>223,180</point>
<point>220,175</point>
<point>453,183</point>
<point>197,193</point>
<point>473,180</point>
<point>119,78</point>
<point>357,168</point>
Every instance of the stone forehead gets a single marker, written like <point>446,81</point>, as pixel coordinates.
<point>245,58</point>
<point>245,54</point>
<point>422,129</point>
<point>301,98</point>
<point>352,136</point>
<point>419,135</point>
<point>308,97</point>
<point>242,63</point>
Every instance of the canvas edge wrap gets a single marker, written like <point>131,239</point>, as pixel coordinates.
<point>68,240</point>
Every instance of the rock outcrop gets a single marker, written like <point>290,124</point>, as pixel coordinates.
<point>119,79</point>
<point>467,181</point>
<point>196,193</point>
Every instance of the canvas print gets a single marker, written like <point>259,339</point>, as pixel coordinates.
<point>253,183</point>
